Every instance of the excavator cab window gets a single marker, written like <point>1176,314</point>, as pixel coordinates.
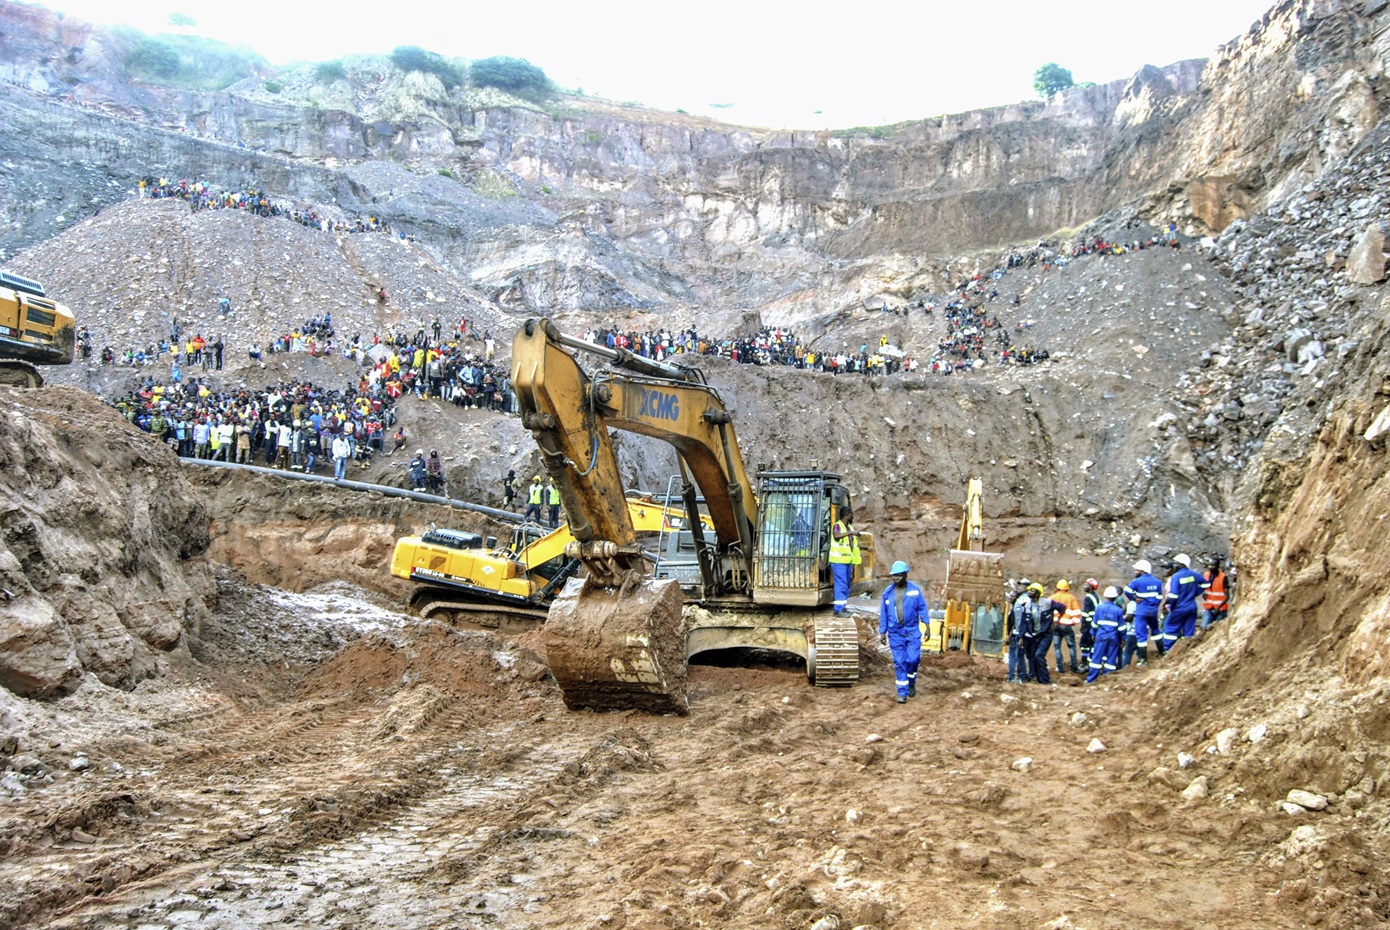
<point>793,529</point>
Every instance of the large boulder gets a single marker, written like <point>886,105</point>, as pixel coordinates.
<point>102,545</point>
<point>1366,264</point>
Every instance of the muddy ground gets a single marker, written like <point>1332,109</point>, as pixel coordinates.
<point>319,761</point>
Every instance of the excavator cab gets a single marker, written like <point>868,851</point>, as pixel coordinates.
<point>791,564</point>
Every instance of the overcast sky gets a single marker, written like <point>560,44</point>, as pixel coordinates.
<point>798,65</point>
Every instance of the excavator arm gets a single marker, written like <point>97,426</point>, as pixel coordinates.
<point>570,416</point>
<point>617,639</point>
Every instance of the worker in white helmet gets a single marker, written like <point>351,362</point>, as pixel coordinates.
<point>1146,591</point>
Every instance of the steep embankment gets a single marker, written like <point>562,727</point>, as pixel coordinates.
<point>102,545</point>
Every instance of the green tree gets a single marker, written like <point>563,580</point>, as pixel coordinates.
<point>152,58</point>
<point>414,58</point>
<point>514,75</point>
<point>181,20</point>
<point>326,72</point>
<point>1051,78</point>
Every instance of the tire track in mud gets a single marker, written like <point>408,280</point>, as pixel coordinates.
<point>369,801</point>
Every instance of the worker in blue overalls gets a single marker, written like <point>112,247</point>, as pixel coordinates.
<point>1146,591</point>
<point>1105,652</point>
<point>1185,589</point>
<point>900,615</point>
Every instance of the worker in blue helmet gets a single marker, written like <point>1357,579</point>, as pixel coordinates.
<point>900,614</point>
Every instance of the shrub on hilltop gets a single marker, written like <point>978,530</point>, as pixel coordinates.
<point>414,58</point>
<point>516,76</point>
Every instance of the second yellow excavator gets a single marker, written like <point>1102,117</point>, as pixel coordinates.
<point>976,607</point>
<point>467,579</point>
<point>620,637</point>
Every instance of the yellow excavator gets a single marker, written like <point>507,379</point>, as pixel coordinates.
<point>467,579</point>
<point>34,330</point>
<point>976,605</point>
<point>620,637</point>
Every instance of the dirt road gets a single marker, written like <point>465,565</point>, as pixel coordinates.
<point>425,777</point>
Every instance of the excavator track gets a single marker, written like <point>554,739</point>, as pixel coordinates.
<point>832,659</point>
<point>20,374</point>
<point>474,615</point>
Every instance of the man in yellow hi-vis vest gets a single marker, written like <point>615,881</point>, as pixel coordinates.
<point>552,498</point>
<point>533,499</point>
<point>844,555</point>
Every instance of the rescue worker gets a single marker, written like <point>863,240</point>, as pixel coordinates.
<point>1020,620</point>
<point>552,500</point>
<point>1216,601</point>
<point>533,500</point>
<point>1184,591</point>
<point>509,488</point>
<point>844,555</point>
<point>1048,610</point>
<point>1065,628</point>
<point>1109,619</point>
<point>416,466</point>
<point>900,615</point>
<point>1146,591</point>
<point>1090,600</point>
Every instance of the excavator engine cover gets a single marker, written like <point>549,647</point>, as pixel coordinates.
<point>619,648</point>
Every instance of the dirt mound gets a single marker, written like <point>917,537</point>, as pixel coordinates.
<point>102,545</point>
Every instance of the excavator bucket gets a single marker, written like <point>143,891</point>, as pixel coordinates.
<point>974,603</point>
<point>619,648</point>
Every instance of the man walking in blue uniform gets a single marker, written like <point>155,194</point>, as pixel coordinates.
<point>900,614</point>
<point>844,555</point>
<point>1184,590</point>
<point>1105,652</point>
<point>1146,592</point>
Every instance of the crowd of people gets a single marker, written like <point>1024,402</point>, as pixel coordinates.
<point>1108,629</point>
<point>201,195</point>
<point>298,425</point>
<point>295,425</point>
<point>769,346</point>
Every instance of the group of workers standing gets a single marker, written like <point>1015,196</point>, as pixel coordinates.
<point>1104,630</point>
<point>1114,627</point>
<point>537,495</point>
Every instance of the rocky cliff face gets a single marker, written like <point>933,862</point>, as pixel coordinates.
<point>629,208</point>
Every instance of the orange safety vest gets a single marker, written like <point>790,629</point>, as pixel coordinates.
<point>1071,615</point>
<point>1215,598</point>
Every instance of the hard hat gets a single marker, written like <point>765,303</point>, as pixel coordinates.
<point>1036,587</point>
<point>297,423</point>
<point>1063,584</point>
<point>419,451</point>
<point>899,568</point>
<point>1110,593</point>
<point>1143,566</point>
<point>1092,583</point>
<point>1182,559</point>
<point>537,478</point>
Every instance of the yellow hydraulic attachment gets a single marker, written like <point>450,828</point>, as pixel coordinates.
<point>34,330</point>
<point>976,606</point>
<point>619,637</point>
